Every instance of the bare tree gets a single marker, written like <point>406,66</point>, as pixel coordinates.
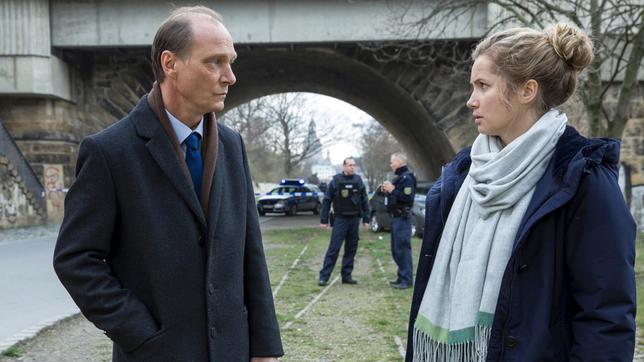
<point>249,119</point>
<point>281,132</point>
<point>616,27</point>
<point>294,130</point>
<point>377,146</point>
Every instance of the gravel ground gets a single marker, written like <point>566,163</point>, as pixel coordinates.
<point>71,340</point>
<point>77,340</point>
<point>326,333</point>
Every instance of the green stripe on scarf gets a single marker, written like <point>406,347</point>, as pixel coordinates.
<point>442,335</point>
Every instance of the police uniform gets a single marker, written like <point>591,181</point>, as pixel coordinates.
<point>350,203</point>
<point>399,203</point>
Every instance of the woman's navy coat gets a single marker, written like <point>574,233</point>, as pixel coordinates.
<point>568,292</point>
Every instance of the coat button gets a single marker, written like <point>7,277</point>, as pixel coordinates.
<point>211,289</point>
<point>200,241</point>
<point>213,332</point>
<point>523,268</point>
<point>511,342</point>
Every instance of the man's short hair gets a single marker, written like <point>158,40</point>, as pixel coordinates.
<point>400,157</point>
<point>175,35</point>
<point>344,162</point>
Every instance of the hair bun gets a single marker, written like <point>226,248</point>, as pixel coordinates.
<point>571,44</point>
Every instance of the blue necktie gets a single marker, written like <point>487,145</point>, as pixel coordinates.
<point>194,161</point>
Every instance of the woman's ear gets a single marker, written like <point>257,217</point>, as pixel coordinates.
<point>529,92</point>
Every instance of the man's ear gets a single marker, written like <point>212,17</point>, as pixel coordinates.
<point>169,64</point>
<point>529,91</point>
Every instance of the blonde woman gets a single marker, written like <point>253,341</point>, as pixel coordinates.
<point>529,247</point>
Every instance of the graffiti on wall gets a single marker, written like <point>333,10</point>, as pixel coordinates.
<point>15,209</point>
<point>8,209</point>
<point>53,176</point>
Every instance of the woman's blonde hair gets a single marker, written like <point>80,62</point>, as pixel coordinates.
<point>553,57</point>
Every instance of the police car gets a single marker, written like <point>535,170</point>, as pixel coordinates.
<point>380,219</point>
<point>290,197</point>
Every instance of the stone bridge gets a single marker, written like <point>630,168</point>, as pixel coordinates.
<point>69,68</point>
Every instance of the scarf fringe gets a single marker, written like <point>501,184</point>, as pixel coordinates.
<point>428,350</point>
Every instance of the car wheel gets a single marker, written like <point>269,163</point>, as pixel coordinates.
<point>316,211</point>
<point>374,225</point>
<point>262,213</point>
<point>292,210</point>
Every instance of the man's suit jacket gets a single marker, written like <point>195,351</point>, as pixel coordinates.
<point>166,278</point>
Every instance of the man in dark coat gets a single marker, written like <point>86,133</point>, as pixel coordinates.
<point>400,195</point>
<point>564,296</point>
<point>157,249</point>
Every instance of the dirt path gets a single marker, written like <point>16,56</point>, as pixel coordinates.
<point>348,322</point>
<point>340,326</point>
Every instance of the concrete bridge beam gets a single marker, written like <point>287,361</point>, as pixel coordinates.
<point>27,67</point>
<point>98,23</point>
<point>35,76</point>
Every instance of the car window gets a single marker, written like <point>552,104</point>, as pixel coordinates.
<point>282,189</point>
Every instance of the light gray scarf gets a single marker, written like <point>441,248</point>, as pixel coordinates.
<point>456,313</point>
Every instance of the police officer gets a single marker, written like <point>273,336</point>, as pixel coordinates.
<point>347,191</point>
<point>400,194</point>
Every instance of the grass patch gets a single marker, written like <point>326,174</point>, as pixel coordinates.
<point>393,315</point>
<point>347,323</point>
<point>13,352</point>
<point>283,247</point>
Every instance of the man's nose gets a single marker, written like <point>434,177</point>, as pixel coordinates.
<point>228,77</point>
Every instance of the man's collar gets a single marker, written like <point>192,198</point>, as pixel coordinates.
<point>400,170</point>
<point>181,130</point>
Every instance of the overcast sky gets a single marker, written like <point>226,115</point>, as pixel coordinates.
<point>341,115</point>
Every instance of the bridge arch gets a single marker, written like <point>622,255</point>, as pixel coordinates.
<point>320,70</point>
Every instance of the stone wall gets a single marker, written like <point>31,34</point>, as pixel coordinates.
<point>633,156</point>
<point>47,131</point>
<point>633,150</point>
<point>106,86</point>
<point>637,205</point>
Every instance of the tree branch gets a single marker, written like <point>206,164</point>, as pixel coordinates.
<point>629,82</point>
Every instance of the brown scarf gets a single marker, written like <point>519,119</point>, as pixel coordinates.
<point>209,146</point>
